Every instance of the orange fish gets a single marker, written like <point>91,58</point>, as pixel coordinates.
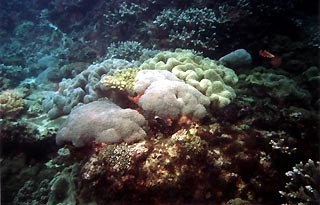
<point>136,98</point>
<point>275,60</point>
<point>266,54</point>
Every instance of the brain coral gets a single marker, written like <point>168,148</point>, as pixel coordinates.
<point>204,74</point>
<point>167,96</point>
<point>10,104</point>
<point>101,121</point>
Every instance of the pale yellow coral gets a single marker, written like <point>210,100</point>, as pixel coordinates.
<point>212,79</point>
<point>10,104</point>
<point>121,79</point>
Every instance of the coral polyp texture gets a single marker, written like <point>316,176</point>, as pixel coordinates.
<point>206,75</point>
<point>101,122</point>
<point>82,89</point>
<point>278,86</point>
<point>10,104</point>
<point>165,95</point>
<point>121,79</point>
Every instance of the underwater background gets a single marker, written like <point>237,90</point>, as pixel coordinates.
<point>159,102</point>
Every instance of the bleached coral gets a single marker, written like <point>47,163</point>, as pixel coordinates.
<point>144,78</point>
<point>167,96</point>
<point>101,121</point>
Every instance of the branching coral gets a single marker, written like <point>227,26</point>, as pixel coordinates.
<point>10,104</point>
<point>304,185</point>
<point>190,28</point>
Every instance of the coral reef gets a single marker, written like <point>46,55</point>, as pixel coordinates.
<point>169,98</point>
<point>121,79</point>
<point>129,50</point>
<point>62,189</point>
<point>312,76</point>
<point>204,74</point>
<point>146,168</point>
<point>304,184</point>
<point>10,104</point>
<point>160,93</point>
<point>172,130</point>
<point>144,78</point>
<point>189,28</point>
<point>84,88</point>
<point>276,85</point>
<point>101,121</point>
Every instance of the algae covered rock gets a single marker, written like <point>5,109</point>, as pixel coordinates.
<point>63,189</point>
<point>206,75</point>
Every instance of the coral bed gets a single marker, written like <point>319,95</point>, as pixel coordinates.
<point>167,122</point>
<point>169,143</point>
<point>10,104</point>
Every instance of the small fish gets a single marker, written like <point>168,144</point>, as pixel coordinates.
<point>275,60</point>
<point>136,98</point>
<point>266,54</point>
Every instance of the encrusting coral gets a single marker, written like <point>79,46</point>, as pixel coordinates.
<point>10,104</point>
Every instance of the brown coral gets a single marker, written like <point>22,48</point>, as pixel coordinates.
<point>10,104</point>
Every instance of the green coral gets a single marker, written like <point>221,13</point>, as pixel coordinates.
<point>210,78</point>
<point>121,79</point>
<point>129,50</point>
<point>278,86</point>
